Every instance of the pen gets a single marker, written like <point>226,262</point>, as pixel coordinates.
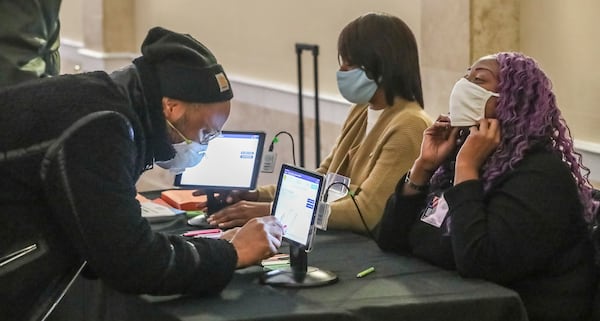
<point>201,232</point>
<point>365,272</point>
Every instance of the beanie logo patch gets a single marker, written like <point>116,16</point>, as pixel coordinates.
<point>222,81</point>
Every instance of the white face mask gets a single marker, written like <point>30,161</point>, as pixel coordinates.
<point>355,86</point>
<point>187,154</point>
<point>467,103</point>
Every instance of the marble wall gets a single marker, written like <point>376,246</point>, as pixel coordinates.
<point>494,27</point>
<point>444,50</point>
<point>450,34</point>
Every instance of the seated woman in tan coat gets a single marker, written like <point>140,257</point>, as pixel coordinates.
<point>381,136</point>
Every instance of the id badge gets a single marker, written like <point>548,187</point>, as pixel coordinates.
<point>436,211</point>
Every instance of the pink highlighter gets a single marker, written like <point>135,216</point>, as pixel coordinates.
<point>213,233</point>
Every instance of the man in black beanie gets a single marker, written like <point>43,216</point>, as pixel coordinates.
<point>71,150</point>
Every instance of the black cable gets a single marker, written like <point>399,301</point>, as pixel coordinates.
<point>275,140</point>
<point>353,200</point>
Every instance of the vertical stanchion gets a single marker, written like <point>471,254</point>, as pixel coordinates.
<point>315,51</point>
<point>317,122</point>
<point>300,106</point>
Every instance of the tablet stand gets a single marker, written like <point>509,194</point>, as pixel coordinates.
<point>299,274</point>
<point>213,204</point>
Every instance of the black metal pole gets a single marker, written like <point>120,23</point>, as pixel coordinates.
<point>315,50</point>
<point>317,126</point>
<point>300,107</point>
<point>298,262</point>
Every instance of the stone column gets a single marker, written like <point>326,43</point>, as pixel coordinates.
<point>494,26</point>
<point>444,50</point>
<point>108,37</point>
<point>456,33</point>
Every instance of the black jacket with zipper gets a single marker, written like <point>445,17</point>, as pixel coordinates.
<point>71,150</point>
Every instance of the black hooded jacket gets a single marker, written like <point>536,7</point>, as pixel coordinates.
<point>71,150</point>
<point>526,232</point>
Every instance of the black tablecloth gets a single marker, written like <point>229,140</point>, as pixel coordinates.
<point>401,288</point>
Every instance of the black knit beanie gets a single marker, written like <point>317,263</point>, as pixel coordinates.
<point>185,68</point>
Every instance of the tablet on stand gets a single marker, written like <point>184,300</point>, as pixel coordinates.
<point>295,205</point>
<point>232,162</point>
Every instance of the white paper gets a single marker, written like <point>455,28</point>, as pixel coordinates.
<point>154,210</point>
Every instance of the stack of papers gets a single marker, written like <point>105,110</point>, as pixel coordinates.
<point>155,212</point>
<point>276,262</point>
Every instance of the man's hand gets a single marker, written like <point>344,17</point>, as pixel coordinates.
<point>239,213</point>
<point>257,240</point>
<point>230,233</point>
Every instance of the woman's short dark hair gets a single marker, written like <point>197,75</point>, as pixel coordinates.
<point>385,47</point>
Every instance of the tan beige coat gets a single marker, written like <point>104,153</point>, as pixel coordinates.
<point>374,163</point>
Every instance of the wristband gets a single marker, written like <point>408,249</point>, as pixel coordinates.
<point>418,188</point>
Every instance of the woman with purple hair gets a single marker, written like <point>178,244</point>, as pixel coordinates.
<point>499,193</point>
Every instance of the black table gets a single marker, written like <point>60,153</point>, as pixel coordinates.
<point>401,288</point>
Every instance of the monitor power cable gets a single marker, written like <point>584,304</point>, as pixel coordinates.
<point>270,156</point>
<point>276,139</point>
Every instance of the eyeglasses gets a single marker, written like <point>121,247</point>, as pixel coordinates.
<point>204,136</point>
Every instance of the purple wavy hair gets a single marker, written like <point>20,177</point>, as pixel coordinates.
<point>529,116</point>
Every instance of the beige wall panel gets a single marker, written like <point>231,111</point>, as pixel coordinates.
<point>119,33</point>
<point>255,39</point>
<point>93,24</point>
<point>494,27</point>
<point>445,34</point>
<point>563,37</point>
<point>444,53</point>
<point>71,20</point>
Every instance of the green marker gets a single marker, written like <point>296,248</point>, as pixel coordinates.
<point>365,272</point>
<point>191,214</point>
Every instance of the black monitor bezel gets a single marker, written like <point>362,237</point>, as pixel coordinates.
<point>256,167</point>
<point>312,229</point>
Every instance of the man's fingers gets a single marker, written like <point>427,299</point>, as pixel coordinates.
<point>231,223</point>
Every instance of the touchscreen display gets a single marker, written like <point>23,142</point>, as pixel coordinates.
<point>296,200</point>
<point>232,161</point>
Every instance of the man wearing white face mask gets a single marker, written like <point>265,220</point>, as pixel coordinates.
<point>380,138</point>
<point>69,160</point>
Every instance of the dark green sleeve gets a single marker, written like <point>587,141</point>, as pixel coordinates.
<point>29,40</point>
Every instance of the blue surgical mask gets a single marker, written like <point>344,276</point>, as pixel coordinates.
<point>187,154</point>
<point>355,86</point>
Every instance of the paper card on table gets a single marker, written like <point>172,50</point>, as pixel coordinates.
<point>183,199</point>
<point>276,261</point>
